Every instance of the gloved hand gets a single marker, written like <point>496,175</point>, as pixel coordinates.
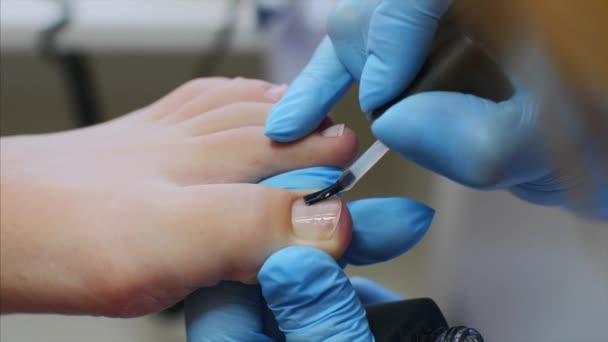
<point>474,141</point>
<point>302,290</point>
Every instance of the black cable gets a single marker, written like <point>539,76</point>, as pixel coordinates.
<point>75,69</point>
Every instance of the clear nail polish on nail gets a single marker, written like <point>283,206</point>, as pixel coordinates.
<point>333,131</point>
<point>316,222</point>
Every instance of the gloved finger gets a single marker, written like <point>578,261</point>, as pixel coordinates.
<point>466,138</point>
<point>229,311</point>
<point>384,228</point>
<point>310,178</point>
<point>370,292</point>
<point>311,297</point>
<point>310,97</point>
<point>399,38</point>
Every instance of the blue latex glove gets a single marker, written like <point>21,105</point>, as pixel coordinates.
<point>382,43</point>
<point>303,291</point>
<point>471,140</point>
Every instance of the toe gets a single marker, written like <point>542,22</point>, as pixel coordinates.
<point>237,90</point>
<point>183,94</point>
<point>246,155</point>
<point>235,115</point>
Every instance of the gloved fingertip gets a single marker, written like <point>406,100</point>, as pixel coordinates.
<point>371,90</point>
<point>384,228</point>
<point>310,96</point>
<point>377,85</point>
<point>461,136</point>
<point>284,124</point>
<point>404,126</point>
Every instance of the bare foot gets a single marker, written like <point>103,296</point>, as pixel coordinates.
<point>127,217</point>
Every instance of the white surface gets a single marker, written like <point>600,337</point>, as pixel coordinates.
<point>29,328</point>
<point>127,25</point>
<point>516,271</point>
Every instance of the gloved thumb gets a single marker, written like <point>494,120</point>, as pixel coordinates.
<point>241,225</point>
<point>312,298</point>
<point>471,140</point>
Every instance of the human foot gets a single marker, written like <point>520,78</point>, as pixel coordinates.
<point>127,217</point>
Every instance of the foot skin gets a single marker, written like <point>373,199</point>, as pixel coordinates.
<point>127,217</point>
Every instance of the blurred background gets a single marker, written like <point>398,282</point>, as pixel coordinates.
<point>65,64</point>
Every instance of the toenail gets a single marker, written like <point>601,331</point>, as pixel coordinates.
<point>318,221</point>
<point>275,93</point>
<point>333,131</point>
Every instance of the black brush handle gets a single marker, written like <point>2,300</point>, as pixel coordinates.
<point>398,321</point>
<point>415,320</point>
<point>456,63</point>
